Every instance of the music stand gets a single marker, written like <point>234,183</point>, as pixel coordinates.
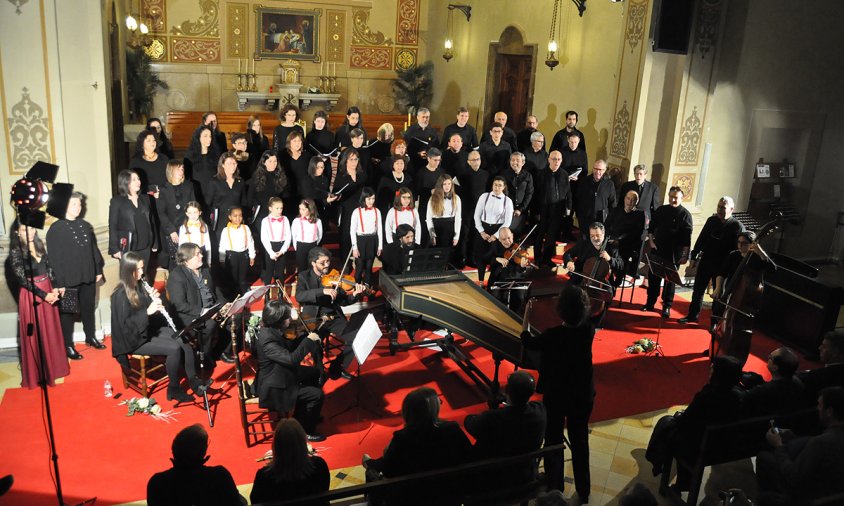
<point>196,327</point>
<point>510,286</point>
<point>425,260</point>
<point>364,328</point>
<point>669,275</point>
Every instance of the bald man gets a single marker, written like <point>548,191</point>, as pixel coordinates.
<point>507,133</point>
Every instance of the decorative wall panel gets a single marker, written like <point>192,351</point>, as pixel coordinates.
<point>29,133</point>
<point>237,16</point>
<point>371,58</point>
<point>207,25</point>
<point>407,23</point>
<point>335,43</point>
<point>405,58</point>
<point>187,50</point>
<point>629,80</point>
<point>686,182</point>
<point>362,34</point>
<point>154,14</point>
<point>690,135</point>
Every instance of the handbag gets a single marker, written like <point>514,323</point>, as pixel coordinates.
<point>69,303</point>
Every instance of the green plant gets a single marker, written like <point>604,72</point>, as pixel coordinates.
<point>142,83</point>
<point>414,87</point>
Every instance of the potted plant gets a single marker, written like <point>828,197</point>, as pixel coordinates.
<point>142,84</point>
<point>414,87</point>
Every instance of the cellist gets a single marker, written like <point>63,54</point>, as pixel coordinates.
<point>756,267</point>
<point>592,258</point>
<point>319,301</point>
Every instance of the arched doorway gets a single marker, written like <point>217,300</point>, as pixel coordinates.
<point>510,78</point>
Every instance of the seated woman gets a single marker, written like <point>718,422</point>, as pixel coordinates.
<point>424,444</point>
<point>293,472</point>
<point>138,327</point>
<point>283,383</point>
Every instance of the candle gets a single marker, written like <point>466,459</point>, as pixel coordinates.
<point>253,66</point>
<point>321,63</point>
<point>238,66</point>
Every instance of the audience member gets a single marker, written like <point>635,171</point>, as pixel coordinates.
<point>293,472</point>
<point>190,481</point>
<point>805,469</point>
<point>831,374</point>
<point>782,395</point>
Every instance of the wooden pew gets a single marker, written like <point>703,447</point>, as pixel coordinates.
<point>181,125</point>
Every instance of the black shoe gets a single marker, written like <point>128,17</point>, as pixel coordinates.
<point>334,372</point>
<point>666,312</point>
<point>179,395</point>
<point>199,386</point>
<point>95,343</point>
<point>72,353</point>
<point>225,357</point>
<point>688,319</point>
<point>315,437</point>
<point>648,307</point>
<point>346,375</point>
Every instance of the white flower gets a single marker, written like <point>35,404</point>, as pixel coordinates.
<point>143,402</point>
<point>156,409</point>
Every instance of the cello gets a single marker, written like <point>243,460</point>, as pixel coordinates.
<point>597,282</point>
<point>741,300</point>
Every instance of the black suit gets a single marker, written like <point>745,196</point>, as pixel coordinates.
<point>186,299</point>
<point>715,242</point>
<point>780,396</point>
<point>817,379</point>
<point>672,231</point>
<point>593,202</point>
<point>648,195</point>
<point>419,139</point>
<point>314,302</point>
<point>283,384</point>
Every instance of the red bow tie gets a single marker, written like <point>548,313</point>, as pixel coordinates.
<point>277,220</point>
<point>406,208</point>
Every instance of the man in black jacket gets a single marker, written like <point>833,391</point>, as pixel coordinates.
<point>716,240</point>
<point>648,191</point>
<point>554,206</point>
<point>319,301</point>
<point>561,137</point>
<point>520,191</point>
<point>191,291</point>
<point>669,236</point>
<point>463,129</point>
<point>595,197</point>
<point>420,137</point>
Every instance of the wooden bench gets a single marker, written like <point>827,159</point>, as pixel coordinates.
<point>466,472</point>
<point>739,440</point>
<point>180,125</point>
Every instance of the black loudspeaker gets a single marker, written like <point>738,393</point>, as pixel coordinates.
<point>671,25</point>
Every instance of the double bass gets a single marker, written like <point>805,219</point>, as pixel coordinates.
<point>741,300</point>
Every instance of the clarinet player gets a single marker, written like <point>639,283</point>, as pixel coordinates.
<point>138,325</point>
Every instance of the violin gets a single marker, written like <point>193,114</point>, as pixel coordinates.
<point>334,280</point>
<point>518,255</point>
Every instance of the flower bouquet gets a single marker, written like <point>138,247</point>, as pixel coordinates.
<point>147,406</point>
<point>643,345</point>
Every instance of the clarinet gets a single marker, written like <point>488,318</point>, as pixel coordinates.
<point>163,311</point>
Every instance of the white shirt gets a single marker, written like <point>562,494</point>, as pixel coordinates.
<point>492,209</point>
<point>305,231</point>
<point>237,239</point>
<point>191,233</point>
<point>365,222</point>
<point>396,217</point>
<point>451,208</point>
<point>275,230</point>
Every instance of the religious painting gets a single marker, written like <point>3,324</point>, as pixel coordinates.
<point>287,33</point>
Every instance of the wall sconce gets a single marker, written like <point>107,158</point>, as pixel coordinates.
<point>448,45</point>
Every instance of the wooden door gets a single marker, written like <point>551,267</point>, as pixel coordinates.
<point>514,88</point>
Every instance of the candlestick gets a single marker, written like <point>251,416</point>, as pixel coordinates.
<point>321,63</point>
<point>238,65</point>
<point>253,66</point>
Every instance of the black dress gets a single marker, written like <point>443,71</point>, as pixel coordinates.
<point>260,197</point>
<point>151,172</point>
<point>202,168</point>
<point>349,201</point>
<point>223,197</point>
<point>320,142</point>
<point>256,144</point>
<point>171,205</point>
<point>297,174</point>
<point>280,136</point>
<point>131,227</point>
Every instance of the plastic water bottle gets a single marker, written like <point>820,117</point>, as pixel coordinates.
<point>107,390</point>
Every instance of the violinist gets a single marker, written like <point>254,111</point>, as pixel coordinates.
<point>594,259</point>
<point>509,264</point>
<point>392,258</point>
<point>191,291</point>
<point>289,370</point>
<point>317,300</point>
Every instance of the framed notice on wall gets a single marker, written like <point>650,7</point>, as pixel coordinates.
<point>287,33</point>
<point>763,171</point>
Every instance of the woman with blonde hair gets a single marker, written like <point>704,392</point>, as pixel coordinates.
<point>444,214</point>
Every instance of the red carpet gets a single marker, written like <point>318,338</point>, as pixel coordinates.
<point>103,453</point>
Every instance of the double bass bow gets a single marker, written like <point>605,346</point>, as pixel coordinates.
<point>741,300</point>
